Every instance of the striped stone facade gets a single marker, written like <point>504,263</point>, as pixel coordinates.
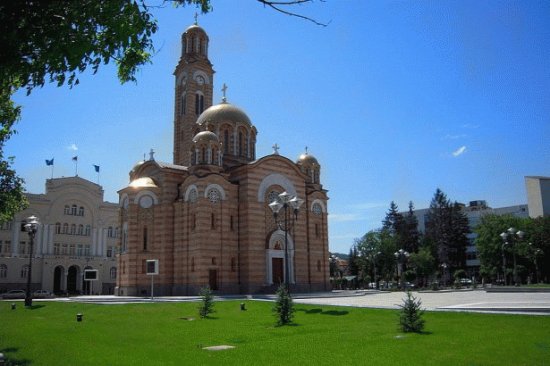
<point>206,217</point>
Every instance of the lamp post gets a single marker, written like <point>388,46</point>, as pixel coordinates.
<point>401,256</point>
<point>373,258</point>
<point>287,202</point>
<point>31,227</point>
<point>444,266</point>
<point>536,253</point>
<point>511,237</point>
<point>504,262</point>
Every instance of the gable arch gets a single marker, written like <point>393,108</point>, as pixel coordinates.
<point>146,193</point>
<point>188,192</point>
<point>321,203</point>
<point>272,180</point>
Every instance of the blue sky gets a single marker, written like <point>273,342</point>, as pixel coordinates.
<point>394,98</point>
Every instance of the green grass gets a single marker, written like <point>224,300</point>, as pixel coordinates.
<point>159,334</point>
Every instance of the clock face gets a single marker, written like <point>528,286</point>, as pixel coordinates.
<point>200,80</point>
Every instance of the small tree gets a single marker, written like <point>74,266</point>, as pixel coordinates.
<point>207,302</point>
<point>410,316</point>
<point>284,307</point>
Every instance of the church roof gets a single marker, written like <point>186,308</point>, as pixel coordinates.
<point>223,112</point>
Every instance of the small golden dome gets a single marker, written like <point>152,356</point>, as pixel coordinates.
<point>307,159</point>
<point>205,136</point>
<point>144,182</point>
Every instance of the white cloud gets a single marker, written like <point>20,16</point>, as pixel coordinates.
<point>454,137</point>
<point>470,126</point>
<point>345,217</point>
<point>72,147</point>
<point>461,150</point>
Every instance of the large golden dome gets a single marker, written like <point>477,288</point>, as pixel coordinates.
<point>223,112</point>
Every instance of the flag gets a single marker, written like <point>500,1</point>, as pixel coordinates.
<point>75,158</point>
<point>49,162</point>
<point>96,167</point>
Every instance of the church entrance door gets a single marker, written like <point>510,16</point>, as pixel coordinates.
<point>57,279</point>
<point>277,270</point>
<point>71,280</point>
<point>213,279</point>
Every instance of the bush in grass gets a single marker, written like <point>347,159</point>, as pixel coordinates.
<point>207,302</point>
<point>284,307</point>
<point>410,316</point>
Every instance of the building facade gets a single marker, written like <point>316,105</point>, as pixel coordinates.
<point>77,231</point>
<point>538,196</point>
<point>206,216</point>
<point>474,212</point>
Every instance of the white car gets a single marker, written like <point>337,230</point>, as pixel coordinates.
<point>41,294</point>
<point>14,294</point>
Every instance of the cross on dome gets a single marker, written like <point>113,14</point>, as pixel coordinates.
<point>275,149</point>
<point>224,89</point>
<point>196,18</point>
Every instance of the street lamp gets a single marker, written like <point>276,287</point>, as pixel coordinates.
<point>373,258</point>
<point>536,253</point>
<point>444,266</point>
<point>31,226</point>
<point>401,256</point>
<point>286,202</point>
<point>509,238</point>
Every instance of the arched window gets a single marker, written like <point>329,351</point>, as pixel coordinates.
<point>226,141</point>
<point>240,144</point>
<point>113,273</point>
<point>199,103</point>
<point>73,229</point>
<point>81,229</point>
<point>213,221</point>
<point>110,232</point>
<point>3,271</point>
<point>88,229</point>
<point>145,238</point>
<point>65,228</point>
<point>58,228</point>
<point>25,271</point>
<point>73,210</point>
<point>67,210</point>
<point>81,211</point>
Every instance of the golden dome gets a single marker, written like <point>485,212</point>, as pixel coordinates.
<point>205,136</point>
<point>223,112</point>
<point>307,159</point>
<point>144,182</point>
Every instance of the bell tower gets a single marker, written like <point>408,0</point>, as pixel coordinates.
<point>194,78</point>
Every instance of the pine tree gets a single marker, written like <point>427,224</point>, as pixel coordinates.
<point>284,307</point>
<point>410,316</point>
<point>411,234</point>
<point>207,302</point>
<point>393,222</point>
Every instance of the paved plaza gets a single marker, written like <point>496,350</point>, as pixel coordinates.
<point>478,300</point>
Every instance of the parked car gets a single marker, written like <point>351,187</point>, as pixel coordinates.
<point>14,294</point>
<point>465,281</point>
<point>42,294</point>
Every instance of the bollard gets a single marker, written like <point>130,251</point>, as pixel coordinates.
<point>12,306</point>
<point>78,317</point>
<point>243,308</point>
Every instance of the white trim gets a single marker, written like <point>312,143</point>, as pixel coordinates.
<point>323,206</point>
<point>275,179</point>
<point>270,253</point>
<point>188,192</point>
<point>146,193</point>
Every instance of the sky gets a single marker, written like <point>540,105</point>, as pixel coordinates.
<point>394,98</point>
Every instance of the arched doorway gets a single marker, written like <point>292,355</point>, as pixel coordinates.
<point>275,258</point>
<point>58,273</point>
<point>72,277</point>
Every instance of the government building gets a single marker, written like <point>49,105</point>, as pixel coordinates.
<point>77,231</point>
<point>205,217</point>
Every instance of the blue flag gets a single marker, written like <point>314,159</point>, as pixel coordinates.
<point>96,167</point>
<point>49,162</point>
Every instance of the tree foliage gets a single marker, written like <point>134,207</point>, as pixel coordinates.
<point>410,316</point>
<point>284,307</point>
<point>206,306</point>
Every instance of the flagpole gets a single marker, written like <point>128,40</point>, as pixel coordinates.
<point>52,171</point>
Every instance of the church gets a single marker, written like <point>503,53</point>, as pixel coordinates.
<point>208,218</point>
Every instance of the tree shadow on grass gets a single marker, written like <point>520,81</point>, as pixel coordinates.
<point>10,360</point>
<point>320,311</point>
<point>35,307</point>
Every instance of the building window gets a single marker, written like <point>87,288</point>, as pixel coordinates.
<point>231,224</point>
<point>88,230</point>
<point>240,144</point>
<point>183,106</point>
<point>22,247</point>
<point>214,260</point>
<point>226,141</point>
<point>58,228</point>
<point>80,229</point>
<point>193,264</point>
<point>79,250</point>
<point>73,229</point>
<point>113,273</point>
<point>87,250</point>
<point>145,238</point>
<point>65,228</point>
<point>194,222</point>
<point>214,195</point>
<point>212,221</point>
<point>3,271</point>
<point>73,210</point>
<point>7,246</point>
<point>57,249</point>
<point>67,210</point>
<point>64,249</point>
<point>25,271</point>
<point>110,232</point>
<point>199,103</point>
<point>109,252</point>
<point>316,230</point>
<point>81,211</point>
<point>72,249</point>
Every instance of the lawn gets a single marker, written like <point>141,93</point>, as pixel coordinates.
<point>164,334</point>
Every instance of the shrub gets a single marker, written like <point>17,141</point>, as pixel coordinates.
<point>410,316</point>
<point>207,302</point>
<point>284,307</point>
